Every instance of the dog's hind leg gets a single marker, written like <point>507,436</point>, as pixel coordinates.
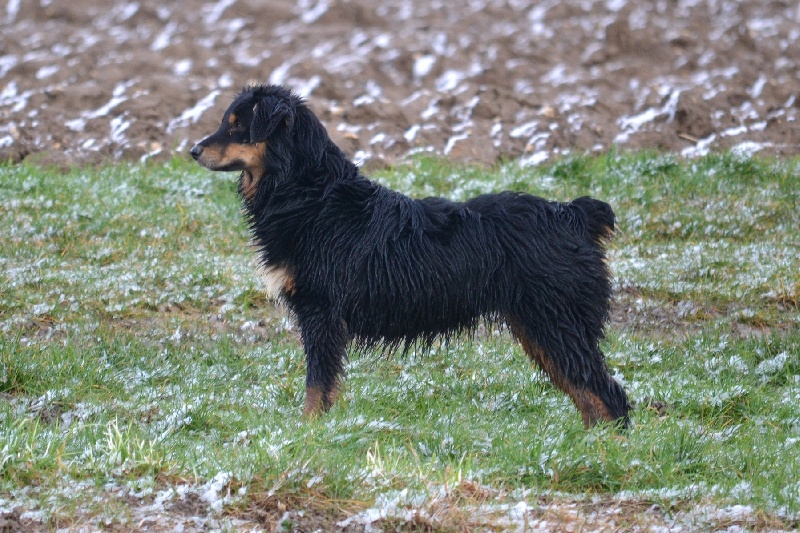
<point>325,341</point>
<point>581,373</point>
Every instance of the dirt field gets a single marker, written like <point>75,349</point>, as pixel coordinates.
<point>82,82</point>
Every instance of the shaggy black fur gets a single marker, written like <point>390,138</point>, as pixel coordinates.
<point>355,261</point>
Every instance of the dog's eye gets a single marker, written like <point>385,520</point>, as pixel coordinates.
<point>237,128</point>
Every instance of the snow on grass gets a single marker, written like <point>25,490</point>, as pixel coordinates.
<point>137,348</point>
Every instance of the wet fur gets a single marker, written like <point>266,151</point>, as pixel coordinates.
<point>356,262</point>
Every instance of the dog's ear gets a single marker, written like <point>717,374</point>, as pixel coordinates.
<point>269,115</point>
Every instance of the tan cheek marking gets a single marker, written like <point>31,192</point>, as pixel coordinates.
<point>252,155</point>
<point>248,154</point>
<point>231,118</point>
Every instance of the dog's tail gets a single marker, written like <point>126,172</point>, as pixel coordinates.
<point>600,218</point>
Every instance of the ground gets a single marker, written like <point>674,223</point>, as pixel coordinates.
<point>87,82</point>
<point>91,82</point>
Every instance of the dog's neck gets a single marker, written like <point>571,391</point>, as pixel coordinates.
<point>248,185</point>
<point>268,190</point>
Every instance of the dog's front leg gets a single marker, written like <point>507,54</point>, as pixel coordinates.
<point>325,342</point>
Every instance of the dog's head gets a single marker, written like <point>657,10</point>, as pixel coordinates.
<point>255,136</point>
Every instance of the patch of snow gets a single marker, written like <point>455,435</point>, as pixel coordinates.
<point>215,11</point>
<point>632,124</point>
<point>182,67</point>
<point>451,142</point>
<point>211,491</point>
<point>193,114</point>
<point>773,365</point>
<point>423,65</point>
<point>46,71</point>
<point>411,133</point>
<point>749,148</point>
<point>118,127</point>
<point>164,38</point>
<point>310,14</point>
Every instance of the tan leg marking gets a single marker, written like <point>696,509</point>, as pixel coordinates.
<point>313,406</point>
<point>331,396</point>
<point>591,407</point>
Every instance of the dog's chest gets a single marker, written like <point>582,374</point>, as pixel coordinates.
<point>278,279</point>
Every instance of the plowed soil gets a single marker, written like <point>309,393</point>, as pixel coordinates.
<point>92,81</point>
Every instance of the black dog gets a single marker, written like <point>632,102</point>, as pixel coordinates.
<point>355,261</point>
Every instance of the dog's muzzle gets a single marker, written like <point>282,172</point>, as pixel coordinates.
<point>196,151</point>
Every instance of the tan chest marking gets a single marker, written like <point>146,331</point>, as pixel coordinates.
<point>278,281</point>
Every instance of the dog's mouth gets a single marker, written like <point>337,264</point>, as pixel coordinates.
<point>248,158</point>
<point>215,159</point>
<point>226,166</point>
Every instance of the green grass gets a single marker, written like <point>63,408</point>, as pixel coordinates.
<point>138,355</point>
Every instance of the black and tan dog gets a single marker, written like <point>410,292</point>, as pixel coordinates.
<point>357,262</point>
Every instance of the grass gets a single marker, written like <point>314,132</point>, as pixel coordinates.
<point>143,374</point>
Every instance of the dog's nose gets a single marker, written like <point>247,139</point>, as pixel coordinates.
<point>196,151</point>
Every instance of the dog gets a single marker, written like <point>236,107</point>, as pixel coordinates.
<point>358,263</point>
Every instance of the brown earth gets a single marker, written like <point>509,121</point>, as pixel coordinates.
<point>91,81</point>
